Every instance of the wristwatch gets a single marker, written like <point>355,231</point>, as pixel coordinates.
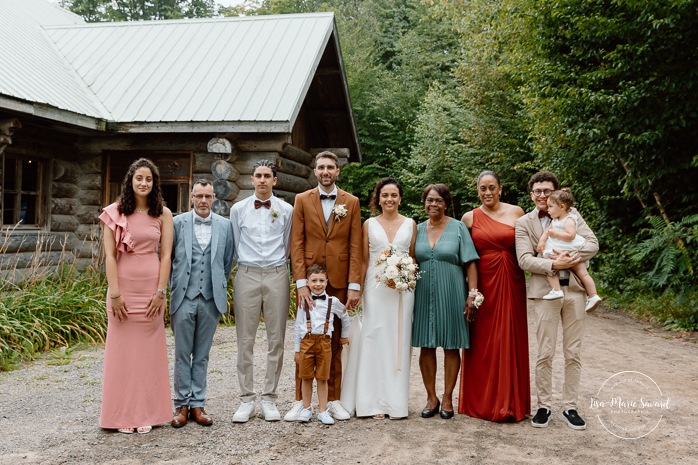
<point>163,292</point>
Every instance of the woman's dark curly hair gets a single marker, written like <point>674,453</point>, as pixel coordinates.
<point>126,203</point>
<point>375,197</point>
<point>443,191</point>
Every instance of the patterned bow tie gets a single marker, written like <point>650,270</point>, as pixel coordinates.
<point>259,203</point>
<point>319,297</point>
<point>327,197</point>
<point>199,220</point>
<point>542,214</point>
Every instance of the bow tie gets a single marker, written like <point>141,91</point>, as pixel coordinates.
<point>542,214</point>
<point>258,203</point>
<point>319,297</point>
<point>327,197</point>
<point>199,220</point>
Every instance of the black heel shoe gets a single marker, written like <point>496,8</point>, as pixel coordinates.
<point>430,412</point>
<point>445,414</point>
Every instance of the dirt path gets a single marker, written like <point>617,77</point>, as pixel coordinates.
<point>49,413</point>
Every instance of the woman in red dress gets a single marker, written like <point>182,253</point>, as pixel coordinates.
<point>494,383</point>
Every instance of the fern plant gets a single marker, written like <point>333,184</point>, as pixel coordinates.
<point>671,247</point>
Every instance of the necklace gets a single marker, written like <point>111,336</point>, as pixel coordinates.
<point>431,224</point>
<point>142,210</point>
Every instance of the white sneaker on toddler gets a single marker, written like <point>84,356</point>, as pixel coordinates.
<point>554,294</point>
<point>305,415</point>
<point>325,418</point>
<point>592,303</point>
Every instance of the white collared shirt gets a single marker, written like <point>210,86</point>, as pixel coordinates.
<point>318,315</point>
<point>202,232</point>
<point>262,235</point>
<point>327,204</point>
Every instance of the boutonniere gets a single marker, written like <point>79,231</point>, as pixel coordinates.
<point>274,214</point>
<point>340,211</point>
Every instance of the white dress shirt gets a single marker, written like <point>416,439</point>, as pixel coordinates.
<point>327,204</point>
<point>318,315</point>
<point>262,235</point>
<point>202,232</point>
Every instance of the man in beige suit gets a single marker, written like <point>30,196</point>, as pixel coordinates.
<point>548,313</point>
<point>326,229</point>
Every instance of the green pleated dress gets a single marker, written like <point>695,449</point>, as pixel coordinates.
<point>442,290</point>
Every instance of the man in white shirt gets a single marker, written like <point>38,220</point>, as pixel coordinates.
<point>261,229</point>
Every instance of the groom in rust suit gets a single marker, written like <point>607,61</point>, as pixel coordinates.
<point>326,229</point>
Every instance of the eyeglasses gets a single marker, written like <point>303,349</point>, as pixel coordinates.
<point>545,192</point>
<point>436,201</point>
<point>203,196</point>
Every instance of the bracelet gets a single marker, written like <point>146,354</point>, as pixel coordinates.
<point>162,291</point>
<point>114,296</point>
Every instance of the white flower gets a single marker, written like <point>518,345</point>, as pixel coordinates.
<point>340,211</point>
<point>391,272</point>
<point>274,214</point>
<point>396,270</point>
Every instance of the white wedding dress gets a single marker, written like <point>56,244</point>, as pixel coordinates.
<point>377,375</point>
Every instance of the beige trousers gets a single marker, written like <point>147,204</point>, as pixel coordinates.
<point>257,292</point>
<point>549,313</point>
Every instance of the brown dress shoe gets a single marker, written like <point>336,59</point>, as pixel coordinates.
<point>199,415</point>
<point>179,418</point>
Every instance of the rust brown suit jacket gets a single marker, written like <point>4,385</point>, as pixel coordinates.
<point>338,248</point>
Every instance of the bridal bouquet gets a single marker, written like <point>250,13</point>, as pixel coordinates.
<point>397,270</point>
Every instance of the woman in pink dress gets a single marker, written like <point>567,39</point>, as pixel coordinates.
<point>136,384</point>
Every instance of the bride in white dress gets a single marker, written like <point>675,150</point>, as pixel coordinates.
<point>377,377</point>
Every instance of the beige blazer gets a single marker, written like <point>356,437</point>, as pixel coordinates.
<point>528,232</point>
<point>337,247</point>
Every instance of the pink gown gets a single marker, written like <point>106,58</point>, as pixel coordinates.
<point>136,382</point>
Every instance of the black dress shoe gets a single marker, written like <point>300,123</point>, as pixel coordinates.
<point>445,414</point>
<point>430,412</point>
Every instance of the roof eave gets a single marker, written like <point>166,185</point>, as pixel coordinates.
<point>49,112</point>
<point>202,126</point>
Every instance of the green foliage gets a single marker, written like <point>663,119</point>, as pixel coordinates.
<point>138,10</point>
<point>50,311</point>
<point>671,248</point>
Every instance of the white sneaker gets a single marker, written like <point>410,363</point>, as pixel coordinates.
<point>554,294</point>
<point>296,408</point>
<point>592,303</point>
<point>337,411</point>
<point>269,410</point>
<point>243,412</point>
<point>305,414</point>
<point>325,418</point>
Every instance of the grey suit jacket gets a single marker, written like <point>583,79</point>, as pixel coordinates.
<point>528,232</point>
<point>221,259</point>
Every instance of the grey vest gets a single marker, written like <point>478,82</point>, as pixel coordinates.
<point>200,278</point>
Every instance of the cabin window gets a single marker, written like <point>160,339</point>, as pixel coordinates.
<point>175,176</point>
<point>22,191</point>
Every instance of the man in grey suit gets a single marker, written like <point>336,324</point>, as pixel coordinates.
<point>202,257</point>
<point>549,313</point>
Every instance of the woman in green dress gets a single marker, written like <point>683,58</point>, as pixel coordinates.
<point>443,250</point>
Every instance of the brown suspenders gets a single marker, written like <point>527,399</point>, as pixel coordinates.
<point>327,317</point>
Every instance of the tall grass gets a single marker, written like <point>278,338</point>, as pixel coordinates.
<point>52,305</point>
<point>49,305</point>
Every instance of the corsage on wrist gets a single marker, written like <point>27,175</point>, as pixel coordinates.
<point>477,296</point>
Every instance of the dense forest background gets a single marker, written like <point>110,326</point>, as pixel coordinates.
<point>602,92</point>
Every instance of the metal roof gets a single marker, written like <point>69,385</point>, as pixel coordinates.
<point>31,70</point>
<point>238,74</point>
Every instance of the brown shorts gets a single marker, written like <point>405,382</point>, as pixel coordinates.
<point>316,355</point>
